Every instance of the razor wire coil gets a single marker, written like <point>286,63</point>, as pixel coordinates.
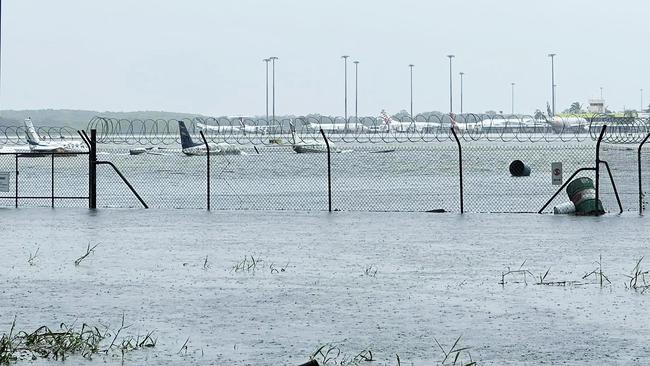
<point>363,130</point>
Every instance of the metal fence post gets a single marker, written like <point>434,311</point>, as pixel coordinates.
<point>329,171</point>
<point>600,138</point>
<point>638,160</point>
<point>16,198</point>
<point>460,168</point>
<point>207,154</point>
<point>92,170</point>
<point>52,180</point>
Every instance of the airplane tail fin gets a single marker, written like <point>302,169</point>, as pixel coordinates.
<point>385,118</point>
<point>293,132</point>
<point>32,136</point>
<point>186,139</point>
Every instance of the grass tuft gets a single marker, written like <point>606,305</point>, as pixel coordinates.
<point>89,251</point>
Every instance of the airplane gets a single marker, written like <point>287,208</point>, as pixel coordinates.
<point>252,129</point>
<point>336,127</point>
<point>560,124</point>
<point>309,145</point>
<point>389,124</point>
<point>198,148</point>
<point>218,129</point>
<point>23,149</point>
<point>38,146</point>
<point>235,129</point>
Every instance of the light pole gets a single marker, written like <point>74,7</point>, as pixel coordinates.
<point>461,91</point>
<point>266,60</point>
<point>552,56</point>
<point>451,104</point>
<point>356,91</point>
<point>512,100</point>
<point>273,58</point>
<point>345,82</point>
<point>641,101</point>
<point>411,69</point>
<point>601,93</point>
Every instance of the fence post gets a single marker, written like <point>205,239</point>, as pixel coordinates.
<point>16,198</point>
<point>638,159</point>
<point>460,168</point>
<point>600,138</point>
<point>92,170</point>
<point>207,154</point>
<point>329,171</point>
<point>52,180</point>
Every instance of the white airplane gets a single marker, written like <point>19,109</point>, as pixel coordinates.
<point>560,124</point>
<point>336,127</point>
<point>252,129</point>
<point>390,124</point>
<point>193,148</point>
<point>218,129</point>
<point>465,126</point>
<point>36,145</point>
<point>23,149</point>
<point>309,145</point>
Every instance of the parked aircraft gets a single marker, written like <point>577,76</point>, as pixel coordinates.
<point>243,128</point>
<point>198,148</point>
<point>253,129</point>
<point>309,145</point>
<point>336,127</point>
<point>36,145</point>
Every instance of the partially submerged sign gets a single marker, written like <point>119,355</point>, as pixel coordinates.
<point>556,174</point>
<point>4,181</point>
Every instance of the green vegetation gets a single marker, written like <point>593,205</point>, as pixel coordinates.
<point>66,340</point>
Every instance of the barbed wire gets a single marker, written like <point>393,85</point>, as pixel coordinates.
<point>383,129</point>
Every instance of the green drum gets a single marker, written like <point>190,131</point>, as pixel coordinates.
<point>583,195</point>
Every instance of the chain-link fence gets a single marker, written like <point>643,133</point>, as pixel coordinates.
<point>373,169</point>
<point>43,180</point>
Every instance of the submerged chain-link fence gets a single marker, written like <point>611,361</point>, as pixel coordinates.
<point>373,168</point>
<point>43,179</point>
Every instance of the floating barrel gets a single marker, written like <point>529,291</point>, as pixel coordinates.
<point>519,169</point>
<point>583,195</point>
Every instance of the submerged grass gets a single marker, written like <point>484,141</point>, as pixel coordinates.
<point>456,354</point>
<point>250,264</point>
<point>89,251</point>
<point>32,257</point>
<point>598,273</point>
<point>66,340</point>
<point>637,280</point>
<point>331,354</point>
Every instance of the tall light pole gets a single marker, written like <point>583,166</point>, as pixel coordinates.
<point>345,82</point>
<point>273,58</point>
<point>356,91</point>
<point>411,69</point>
<point>641,101</point>
<point>266,60</point>
<point>461,91</point>
<point>451,104</point>
<point>512,99</point>
<point>552,56</point>
<point>601,93</point>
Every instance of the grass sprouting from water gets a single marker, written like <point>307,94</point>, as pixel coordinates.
<point>66,340</point>
<point>89,251</point>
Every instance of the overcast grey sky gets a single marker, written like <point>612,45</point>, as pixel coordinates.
<point>205,56</point>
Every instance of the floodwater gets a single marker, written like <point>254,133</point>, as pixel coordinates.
<point>437,277</point>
